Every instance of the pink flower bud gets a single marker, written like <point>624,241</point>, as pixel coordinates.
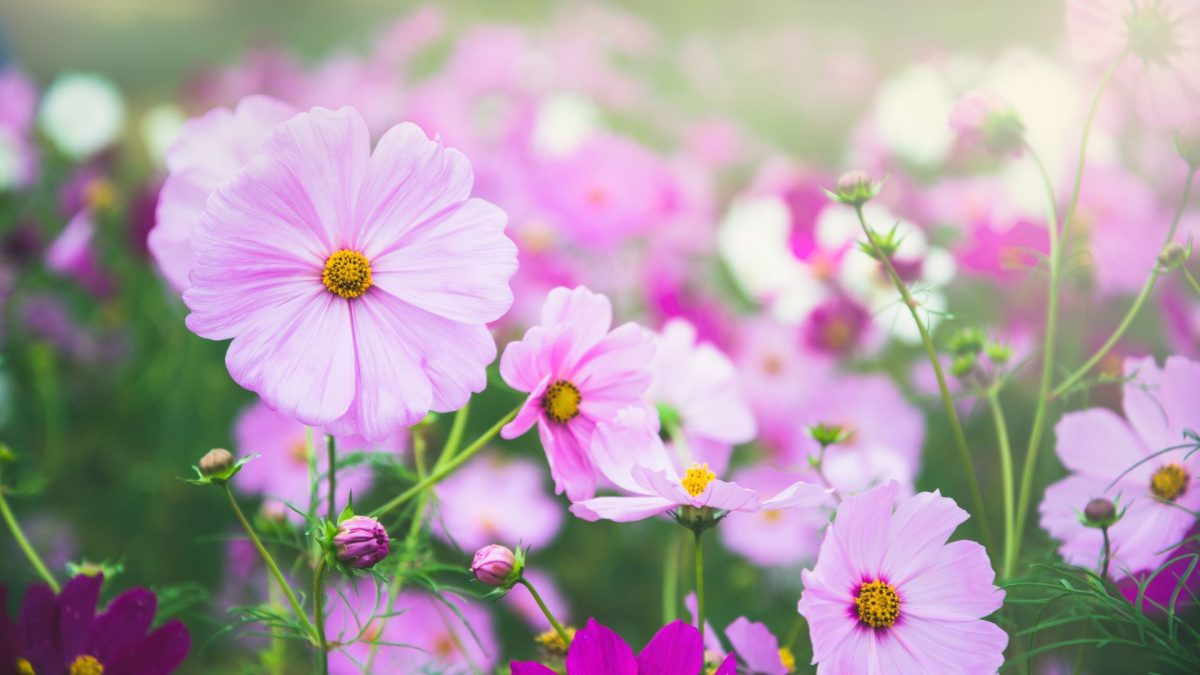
<point>493,564</point>
<point>361,542</point>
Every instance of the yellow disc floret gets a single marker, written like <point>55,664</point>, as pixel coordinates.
<point>1169,482</point>
<point>553,643</point>
<point>697,478</point>
<point>878,605</point>
<point>24,667</point>
<point>347,274</point>
<point>85,665</point>
<point>788,659</point>
<point>561,401</point>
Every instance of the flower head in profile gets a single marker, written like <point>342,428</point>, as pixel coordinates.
<point>1119,459</point>
<point>676,649</point>
<point>632,457</point>
<point>888,594</point>
<point>578,374</point>
<point>64,634</point>
<point>356,285</point>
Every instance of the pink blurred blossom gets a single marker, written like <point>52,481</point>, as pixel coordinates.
<point>496,500</point>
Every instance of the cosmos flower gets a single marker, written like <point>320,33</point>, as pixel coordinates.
<point>18,156</point>
<point>64,634</point>
<point>496,499</point>
<point>699,397</point>
<point>208,152</point>
<point>888,594</point>
<point>82,114</point>
<point>773,537</point>
<point>1110,456</point>
<point>578,374</point>
<point>356,286</point>
<point>73,254</point>
<point>1162,41</point>
<point>632,457</point>
<point>676,649</point>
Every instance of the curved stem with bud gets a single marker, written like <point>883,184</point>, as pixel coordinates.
<point>562,633</point>
<point>30,553</point>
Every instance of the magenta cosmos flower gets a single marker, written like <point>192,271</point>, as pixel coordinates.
<point>209,151</point>
<point>632,457</point>
<point>1162,38</point>
<point>578,373</point>
<point>1110,456</point>
<point>889,595</point>
<point>355,285</point>
<point>676,649</point>
<point>64,634</point>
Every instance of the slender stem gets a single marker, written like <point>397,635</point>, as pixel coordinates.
<point>319,617</point>
<point>1107,554</point>
<point>270,562</point>
<point>670,589</point>
<point>273,659</point>
<point>699,583</point>
<point>331,446</point>
<point>562,633</point>
<point>1191,279</point>
<point>454,439</point>
<point>794,633</point>
<point>439,473</point>
<point>1137,303</point>
<point>960,439</point>
<point>313,482</point>
<point>25,546</point>
<point>1006,478</point>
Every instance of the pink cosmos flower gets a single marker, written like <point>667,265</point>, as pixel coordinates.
<point>696,387</point>
<point>1123,222</point>
<point>1162,38</point>
<point>72,254</point>
<point>496,500</point>
<point>1110,456</point>
<point>578,374</point>
<point>18,154</point>
<point>774,537</point>
<point>356,286</point>
<point>676,649</point>
<point>209,151</point>
<point>889,595</point>
<point>631,456</point>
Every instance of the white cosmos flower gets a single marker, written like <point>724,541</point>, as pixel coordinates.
<point>82,114</point>
<point>910,115</point>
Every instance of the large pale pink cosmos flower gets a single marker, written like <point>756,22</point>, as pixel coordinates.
<point>1163,41</point>
<point>1111,457</point>
<point>208,152</point>
<point>889,595</point>
<point>356,286</point>
<point>697,387</point>
<point>578,373</point>
<point>631,456</point>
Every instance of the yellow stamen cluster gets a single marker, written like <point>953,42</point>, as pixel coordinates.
<point>552,642</point>
<point>100,194</point>
<point>1169,482</point>
<point>347,274</point>
<point>697,478</point>
<point>878,605</point>
<point>788,659</point>
<point>85,665</point>
<point>24,667</point>
<point>561,401</point>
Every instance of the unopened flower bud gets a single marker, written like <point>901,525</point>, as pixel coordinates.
<point>963,365</point>
<point>1188,146</point>
<point>1173,255</point>
<point>855,188</point>
<point>828,434</point>
<point>986,119</point>
<point>1100,512</point>
<point>495,566</point>
<point>216,461</point>
<point>360,542</point>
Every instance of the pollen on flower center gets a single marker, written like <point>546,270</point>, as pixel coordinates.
<point>347,274</point>
<point>1152,34</point>
<point>1169,482</point>
<point>787,659</point>
<point>878,605</point>
<point>697,478</point>
<point>85,665</point>
<point>561,401</point>
<point>24,667</point>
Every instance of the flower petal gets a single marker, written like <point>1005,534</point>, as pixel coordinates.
<point>955,584</point>
<point>676,649</point>
<point>621,509</point>
<point>122,624</point>
<point>919,528</point>
<point>76,612</point>
<point>596,650</point>
<point>37,625</point>
<point>530,668</point>
<point>158,654</point>
<point>756,645</point>
<point>1097,442</point>
<point>566,452</point>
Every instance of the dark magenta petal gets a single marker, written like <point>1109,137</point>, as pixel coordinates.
<point>38,628</point>
<point>76,612</point>
<point>530,668</point>
<point>676,649</point>
<point>122,624</point>
<point>728,666</point>
<point>158,654</point>
<point>10,641</point>
<point>596,650</point>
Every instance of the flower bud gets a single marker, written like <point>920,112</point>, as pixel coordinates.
<point>1100,512</point>
<point>495,566</point>
<point>216,461</point>
<point>855,188</point>
<point>1188,147</point>
<point>986,119</point>
<point>360,542</point>
<point>828,434</point>
<point>1173,255</point>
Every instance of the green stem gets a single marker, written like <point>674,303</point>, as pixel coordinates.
<point>274,658</point>
<point>270,562</point>
<point>1006,477</point>
<point>1191,280</point>
<point>1144,295</point>
<point>331,446</point>
<point>1107,554</point>
<point>562,633</point>
<point>454,439</point>
<point>25,546</point>
<point>319,617</point>
<point>670,589</point>
<point>439,473</point>
<point>960,439</point>
<point>699,583</point>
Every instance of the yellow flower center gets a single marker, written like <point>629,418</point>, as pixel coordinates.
<point>788,659</point>
<point>697,478</point>
<point>1169,482</point>
<point>561,401</point>
<point>100,194</point>
<point>85,665</point>
<point>552,642</point>
<point>24,667</point>
<point>347,274</point>
<point>878,605</point>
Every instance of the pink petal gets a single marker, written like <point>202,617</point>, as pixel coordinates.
<point>832,629</point>
<point>589,313</point>
<point>597,650</point>
<point>920,527</point>
<point>524,364</point>
<point>676,649</point>
<point>530,668</point>
<point>756,645</point>
<point>726,496</point>
<point>1142,402</point>
<point>956,583</point>
<point>530,412</point>
<point>621,509</point>
<point>946,646</point>
<point>798,495</point>
<point>566,452</point>
<point>862,524</point>
<point>628,442</point>
<point>1096,442</point>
